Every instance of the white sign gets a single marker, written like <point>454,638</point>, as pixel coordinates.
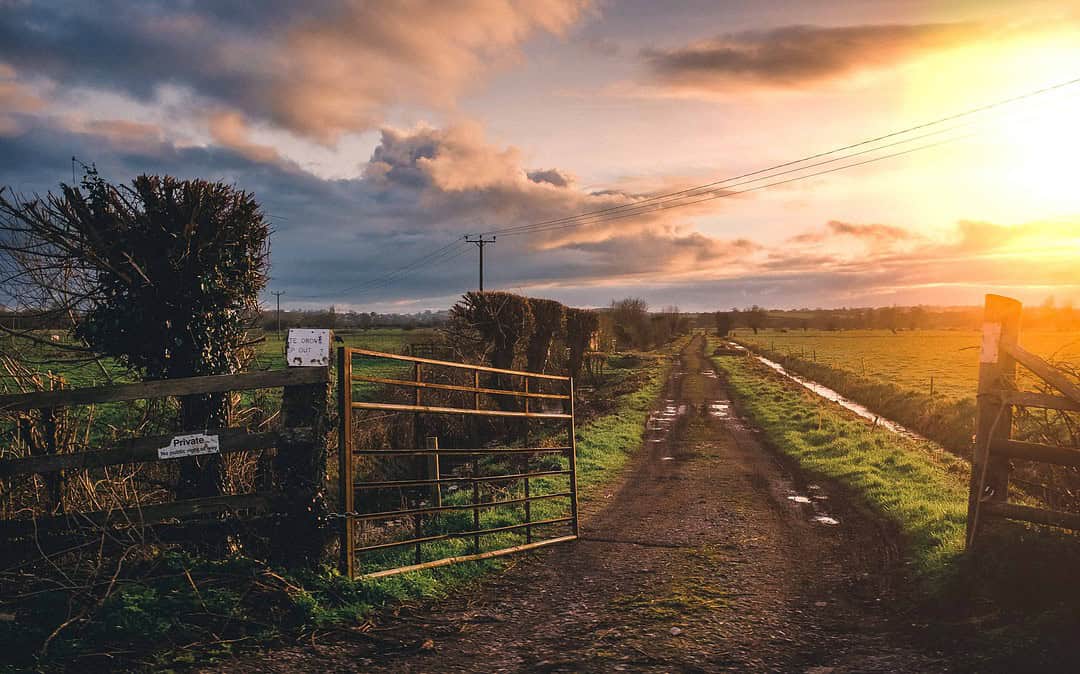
<point>308,348</point>
<point>190,445</point>
<point>991,339</point>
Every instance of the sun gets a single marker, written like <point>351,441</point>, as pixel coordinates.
<point>1021,157</point>
<point>1039,154</point>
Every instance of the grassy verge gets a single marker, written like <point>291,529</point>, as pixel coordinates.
<point>915,485</point>
<point>175,609</point>
<point>1011,605</point>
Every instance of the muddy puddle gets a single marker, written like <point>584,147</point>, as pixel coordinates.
<point>661,420</point>
<point>813,504</point>
<point>832,396</point>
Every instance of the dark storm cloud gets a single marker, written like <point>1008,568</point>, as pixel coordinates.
<point>551,176</point>
<point>316,68</point>
<point>794,56</point>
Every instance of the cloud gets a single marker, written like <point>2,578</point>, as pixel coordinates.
<point>426,186</point>
<point>230,130</point>
<point>16,101</point>
<point>552,177</point>
<point>792,57</point>
<point>318,69</point>
<point>875,234</point>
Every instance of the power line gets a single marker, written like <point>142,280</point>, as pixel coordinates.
<point>424,260</point>
<point>966,113</point>
<point>686,197</point>
<point>619,216</point>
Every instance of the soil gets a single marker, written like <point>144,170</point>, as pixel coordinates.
<point>708,555</point>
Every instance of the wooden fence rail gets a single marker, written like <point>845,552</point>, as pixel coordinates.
<point>299,465</point>
<point>996,400</point>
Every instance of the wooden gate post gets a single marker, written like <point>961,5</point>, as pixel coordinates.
<point>993,420</point>
<point>300,465</point>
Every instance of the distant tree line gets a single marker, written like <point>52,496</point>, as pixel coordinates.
<point>1046,316</point>
<point>630,325</point>
<point>331,318</point>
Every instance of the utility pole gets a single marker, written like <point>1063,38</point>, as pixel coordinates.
<point>278,296</point>
<point>480,242</point>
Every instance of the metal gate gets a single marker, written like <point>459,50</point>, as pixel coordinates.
<point>520,496</point>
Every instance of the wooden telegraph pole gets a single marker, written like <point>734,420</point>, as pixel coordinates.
<point>480,242</point>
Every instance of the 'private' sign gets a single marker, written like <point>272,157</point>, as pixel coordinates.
<point>190,445</point>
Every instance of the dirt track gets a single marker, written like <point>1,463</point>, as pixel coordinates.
<point>708,556</point>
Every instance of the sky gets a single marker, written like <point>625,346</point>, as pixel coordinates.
<point>377,134</point>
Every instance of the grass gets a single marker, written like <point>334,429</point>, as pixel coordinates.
<point>914,484</point>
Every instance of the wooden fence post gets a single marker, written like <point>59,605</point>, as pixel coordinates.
<point>993,420</point>
<point>300,466</point>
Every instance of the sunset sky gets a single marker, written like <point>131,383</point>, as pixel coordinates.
<point>375,133</point>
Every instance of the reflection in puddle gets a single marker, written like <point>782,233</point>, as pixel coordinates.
<point>659,423</point>
<point>812,505</point>
<point>721,409</point>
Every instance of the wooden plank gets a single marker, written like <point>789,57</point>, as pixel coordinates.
<point>1023,513</point>
<point>461,366</point>
<point>138,450</point>
<point>1042,400</point>
<point>163,388</point>
<point>133,516</point>
<point>452,387</point>
<point>394,407</point>
<point>1033,451</point>
<point>1045,371</point>
<point>446,561</point>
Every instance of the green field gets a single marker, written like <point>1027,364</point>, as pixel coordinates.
<point>907,359</point>
<point>47,360</point>
<point>270,352</point>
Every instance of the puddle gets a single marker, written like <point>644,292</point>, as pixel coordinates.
<point>659,423</point>
<point>812,505</point>
<point>832,396</point>
<point>720,409</point>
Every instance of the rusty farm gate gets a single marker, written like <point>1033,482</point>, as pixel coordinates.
<point>430,504</point>
<point>997,398</point>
